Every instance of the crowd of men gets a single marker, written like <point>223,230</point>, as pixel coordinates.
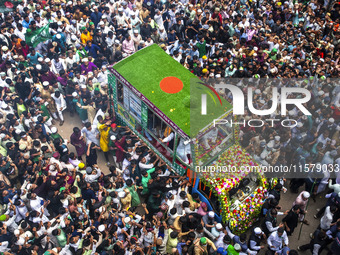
<point>54,201</point>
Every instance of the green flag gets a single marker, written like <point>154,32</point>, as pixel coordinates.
<point>40,35</point>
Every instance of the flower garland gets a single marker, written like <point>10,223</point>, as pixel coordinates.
<point>243,215</point>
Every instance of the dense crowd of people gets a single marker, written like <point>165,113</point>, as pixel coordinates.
<point>54,201</point>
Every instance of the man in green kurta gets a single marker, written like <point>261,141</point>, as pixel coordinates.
<point>43,108</point>
<point>82,112</point>
<point>201,46</point>
<point>135,201</point>
<point>61,237</point>
<point>146,176</point>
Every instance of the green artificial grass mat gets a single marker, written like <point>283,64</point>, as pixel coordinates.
<point>146,68</point>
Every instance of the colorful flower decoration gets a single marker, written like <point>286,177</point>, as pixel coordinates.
<point>244,214</point>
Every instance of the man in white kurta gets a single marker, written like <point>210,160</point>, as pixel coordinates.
<point>60,104</point>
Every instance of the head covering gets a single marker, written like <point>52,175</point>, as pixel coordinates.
<point>306,194</point>
<point>203,240</point>
<point>219,226</point>
<point>81,165</point>
<point>222,251</point>
<point>257,231</point>
<point>56,155</point>
<point>3,217</point>
<point>88,170</point>
<point>113,137</point>
<point>22,147</point>
<point>101,228</point>
<point>237,247</point>
<point>46,83</point>
<point>211,214</point>
<point>74,94</point>
<point>121,194</point>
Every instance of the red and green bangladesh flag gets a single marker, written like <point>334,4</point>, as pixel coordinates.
<point>33,38</point>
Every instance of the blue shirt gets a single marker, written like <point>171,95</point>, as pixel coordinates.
<point>34,58</point>
<point>62,39</point>
<point>26,24</point>
<point>95,17</point>
<point>92,50</point>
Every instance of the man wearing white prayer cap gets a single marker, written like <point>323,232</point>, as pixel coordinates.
<point>302,201</point>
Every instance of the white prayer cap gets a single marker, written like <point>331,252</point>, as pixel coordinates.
<point>321,93</point>
<point>47,60</point>
<point>135,31</point>
<point>46,83</point>
<point>237,247</point>
<point>40,59</point>
<point>211,214</point>
<point>257,91</point>
<point>83,86</point>
<point>113,137</point>
<point>85,60</point>
<point>121,194</point>
<point>38,66</point>
<point>257,231</point>
<point>219,226</point>
<point>101,228</point>
<point>331,120</point>
<point>306,194</point>
<point>74,94</point>
<point>54,130</point>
